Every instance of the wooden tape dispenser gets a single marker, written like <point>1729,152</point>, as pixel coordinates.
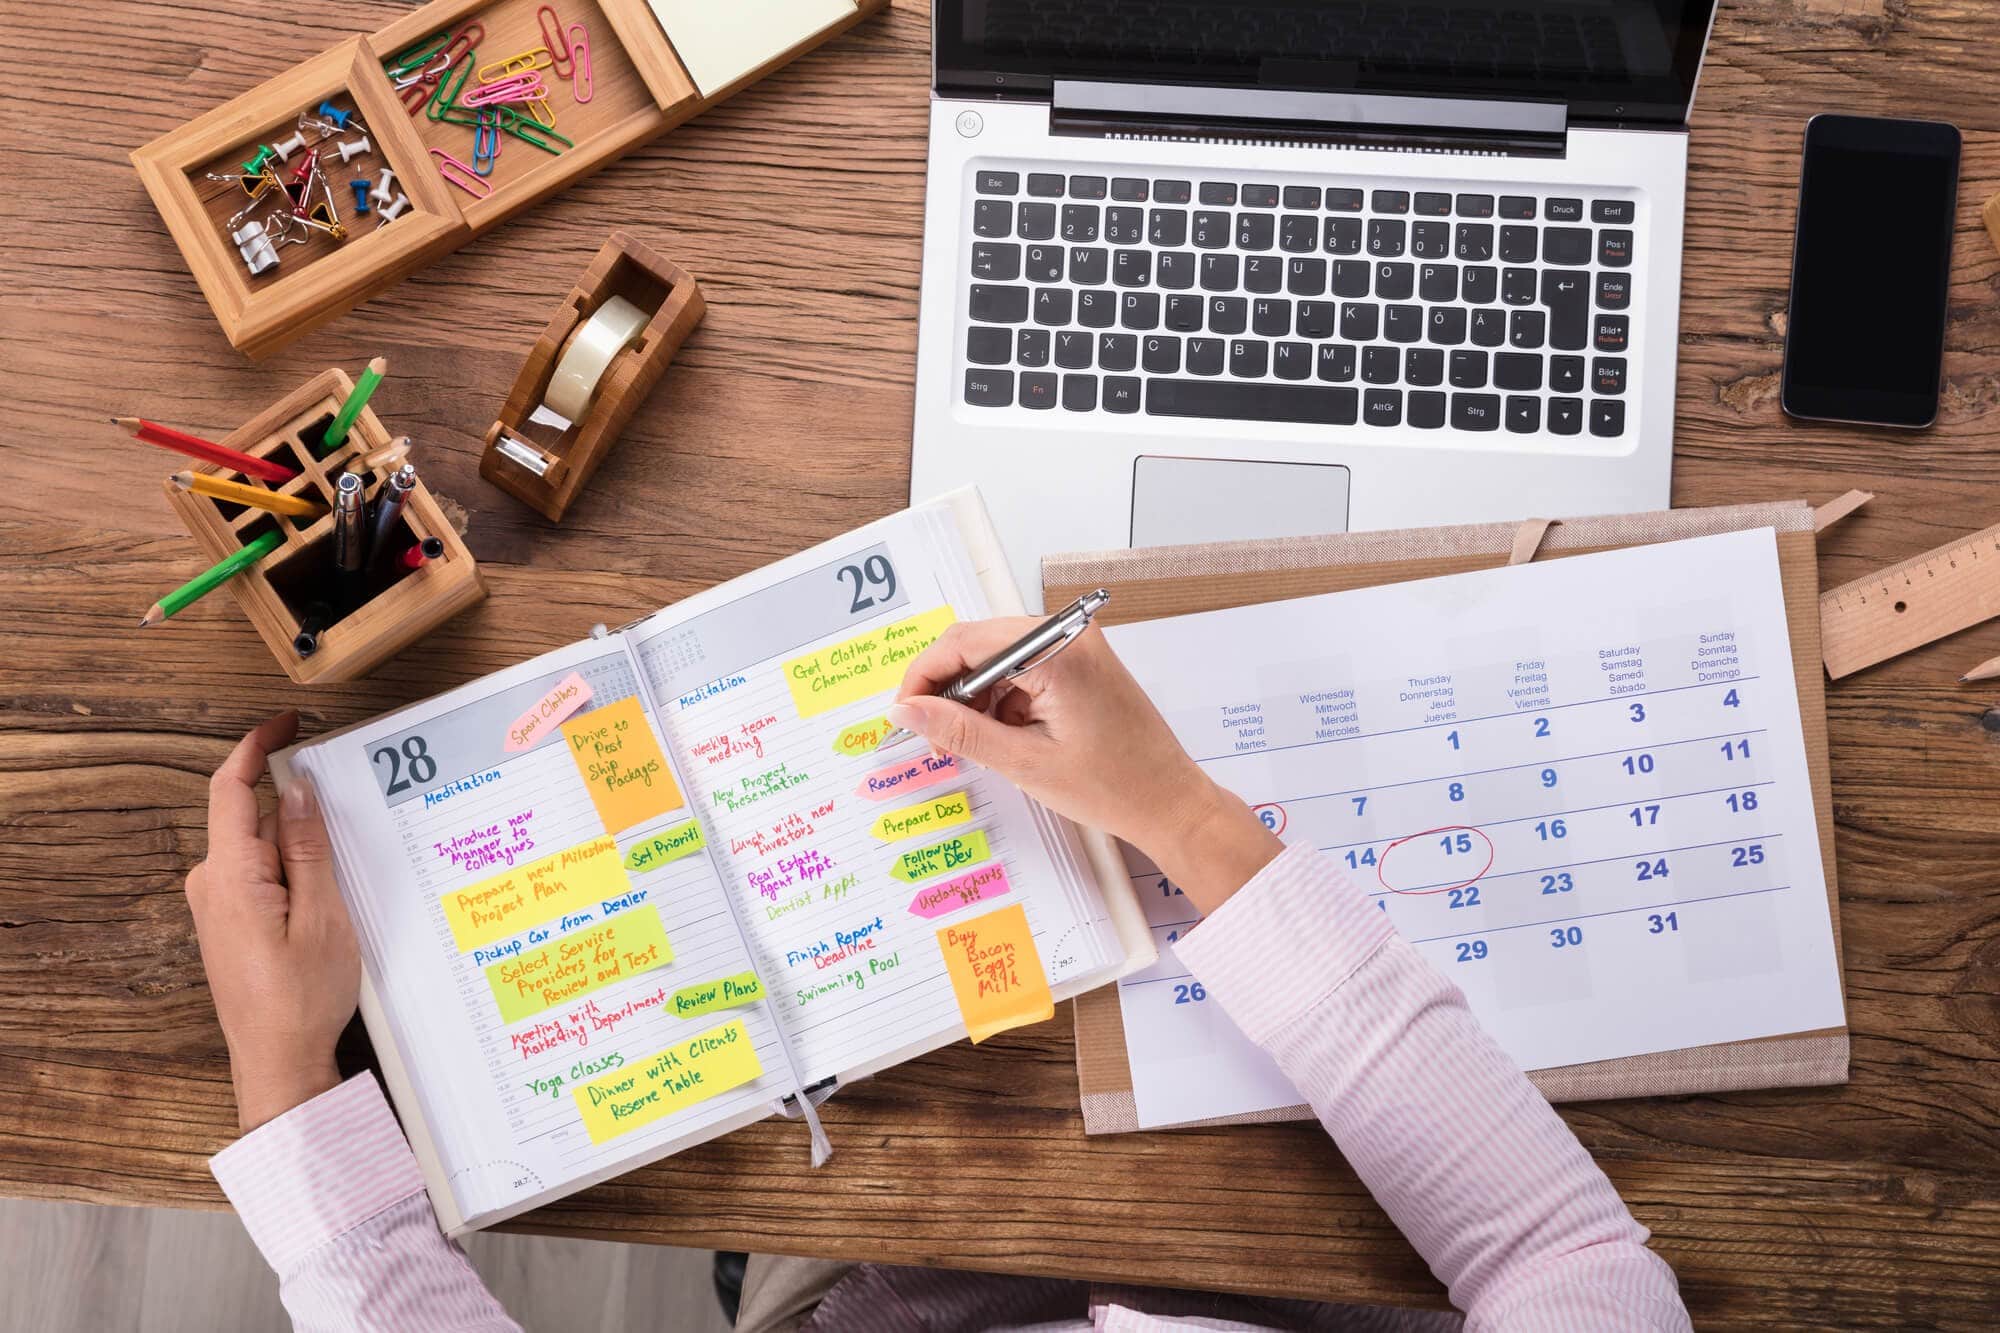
<point>600,356</point>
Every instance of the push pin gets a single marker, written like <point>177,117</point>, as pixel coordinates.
<point>360,187</point>
<point>350,151</point>
<point>388,212</point>
<point>286,147</point>
<point>255,166</point>
<point>259,255</point>
<point>334,114</point>
<point>384,188</point>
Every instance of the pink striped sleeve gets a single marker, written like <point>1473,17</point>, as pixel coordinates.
<point>1453,1141</point>
<point>333,1197</point>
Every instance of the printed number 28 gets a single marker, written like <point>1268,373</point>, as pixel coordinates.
<point>422,767</point>
<point>876,575</point>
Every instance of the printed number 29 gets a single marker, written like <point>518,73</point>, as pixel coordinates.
<point>874,575</point>
<point>422,767</point>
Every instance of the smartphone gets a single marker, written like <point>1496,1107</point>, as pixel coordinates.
<point>1871,264</point>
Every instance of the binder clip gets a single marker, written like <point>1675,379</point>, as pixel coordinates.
<point>259,255</point>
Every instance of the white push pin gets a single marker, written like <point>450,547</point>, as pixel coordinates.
<point>350,151</point>
<point>286,147</point>
<point>255,246</point>
<point>384,188</point>
<point>387,212</point>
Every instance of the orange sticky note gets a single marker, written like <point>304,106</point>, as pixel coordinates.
<point>621,764</point>
<point>996,972</point>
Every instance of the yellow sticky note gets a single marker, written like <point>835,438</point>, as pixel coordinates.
<point>865,665</point>
<point>996,972</point>
<point>688,1072</point>
<point>924,817</point>
<point>578,963</point>
<point>621,764</point>
<point>530,894</point>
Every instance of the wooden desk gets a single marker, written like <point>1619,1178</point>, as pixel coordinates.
<point>786,420</point>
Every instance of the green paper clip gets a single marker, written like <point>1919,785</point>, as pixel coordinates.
<point>418,55</point>
<point>531,131</point>
<point>446,97</point>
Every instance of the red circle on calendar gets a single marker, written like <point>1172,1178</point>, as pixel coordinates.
<point>1271,815</point>
<point>1382,862</point>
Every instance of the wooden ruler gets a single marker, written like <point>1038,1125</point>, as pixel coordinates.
<point>1910,604</point>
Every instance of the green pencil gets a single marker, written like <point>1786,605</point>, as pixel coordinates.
<point>349,410</point>
<point>195,588</point>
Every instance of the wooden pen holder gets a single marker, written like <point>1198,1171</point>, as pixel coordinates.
<point>390,606</point>
<point>545,465</point>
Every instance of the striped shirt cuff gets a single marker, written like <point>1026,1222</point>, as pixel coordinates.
<point>1288,938</point>
<point>317,1171</point>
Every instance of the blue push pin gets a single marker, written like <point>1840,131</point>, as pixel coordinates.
<point>360,185</point>
<point>332,113</point>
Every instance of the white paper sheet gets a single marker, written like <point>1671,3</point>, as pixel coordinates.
<point>1618,732</point>
<point>719,42</point>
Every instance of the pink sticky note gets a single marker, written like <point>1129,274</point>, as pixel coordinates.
<point>974,886</point>
<point>906,775</point>
<point>569,694</point>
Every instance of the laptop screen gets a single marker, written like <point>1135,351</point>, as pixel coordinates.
<point>1609,60</point>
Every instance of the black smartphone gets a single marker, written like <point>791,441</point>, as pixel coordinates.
<point>1871,264</point>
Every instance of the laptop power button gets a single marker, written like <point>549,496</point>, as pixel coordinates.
<point>970,123</point>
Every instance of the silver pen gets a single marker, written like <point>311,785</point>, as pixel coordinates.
<point>1032,649</point>
<point>389,510</point>
<point>350,535</point>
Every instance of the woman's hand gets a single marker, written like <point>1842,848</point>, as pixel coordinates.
<point>279,951</point>
<point>1078,734</point>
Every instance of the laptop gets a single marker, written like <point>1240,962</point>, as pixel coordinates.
<point>1213,269</point>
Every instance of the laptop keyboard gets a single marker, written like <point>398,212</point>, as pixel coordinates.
<point>1327,304</point>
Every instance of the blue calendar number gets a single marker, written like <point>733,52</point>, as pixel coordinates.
<point>1552,828</point>
<point>1453,738</point>
<point>1654,869</point>
<point>1465,897</point>
<point>1566,937</point>
<point>1471,950</point>
<point>1660,924</point>
<point>1560,882</point>
<point>1541,727</point>
<point>1752,855</point>
<point>1636,764</point>
<point>1456,791</point>
<point>1734,750</point>
<point>1192,993</point>
<point>1366,857</point>
<point>1730,700</point>
<point>1360,804</point>
<point>1548,777</point>
<point>1169,889</point>
<point>1739,801</point>
<point>1268,818</point>
<point>1638,712</point>
<point>1454,843</point>
<point>1643,815</point>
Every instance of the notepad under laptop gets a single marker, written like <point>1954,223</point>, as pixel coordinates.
<point>635,893</point>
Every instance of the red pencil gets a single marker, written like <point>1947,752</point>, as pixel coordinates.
<point>196,447</point>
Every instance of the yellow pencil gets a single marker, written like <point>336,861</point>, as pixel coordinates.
<point>1986,670</point>
<point>256,497</point>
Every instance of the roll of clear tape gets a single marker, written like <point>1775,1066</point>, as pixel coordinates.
<point>611,328</point>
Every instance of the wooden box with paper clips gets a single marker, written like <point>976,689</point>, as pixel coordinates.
<point>608,345</point>
<point>321,623</point>
<point>314,191</point>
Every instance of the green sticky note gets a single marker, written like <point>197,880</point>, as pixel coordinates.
<point>727,993</point>
<point>670,845</point>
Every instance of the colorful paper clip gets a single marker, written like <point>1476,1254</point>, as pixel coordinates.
<point>517,88</point>
<point>535,58</point>
<point>446,96</point>
<point>579,54</point>
<point>486,141</point>
<point>565,67</point>
<point>470,35</point>
<point>418,55</point>
<point>461,175</point>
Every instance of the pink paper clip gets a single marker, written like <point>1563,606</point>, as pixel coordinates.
<point>579,54</point>
<point>461,175</point>
<point>543,17</point>
<point>526,87</point>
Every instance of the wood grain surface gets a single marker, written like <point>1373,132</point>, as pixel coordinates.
<point>785,420</point>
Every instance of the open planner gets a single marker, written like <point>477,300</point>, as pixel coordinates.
<point>651,887</point>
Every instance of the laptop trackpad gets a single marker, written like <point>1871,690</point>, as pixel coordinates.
<point>1177,501</point>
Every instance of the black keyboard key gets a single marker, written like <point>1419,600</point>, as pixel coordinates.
<point>1305,277</point>
<point>1438,282</point>
<point>1044,263</point>
<point>988,346</point>
<point>1079,222</point>
<point>996,261</point>
<point>1343,201</point>
<point>1612,210</point>
<point>1524,415</point>
<point>1167,227</point>
<point>989,388</point>
<point>1036,221</point>
<point>998,305</point>
<point>1478,284</point>
<point>1073,350</point>
<point>1172,192</point>
<point>1517,286</point>
<point>1475,242</point>
<point>1431,240</point>
<point>1053,306</point>
<point>1270,317</point>
<point>1612,333</point>
<point>1079,393</point>
<point>1566,374</point>
<point>998,182</point>
<point>1297,234</point>
<point>1125,226</point>
<point>1382,407</point>
<point>992,217</point>
<point>1175,270</point>
<point>1220,273</point>
<point>1045,185</point>
<point>1475,411</point>
<point>1088,265</point>
<point>1446,325</point>
<point>1132,268</point>
<point>1086,187</point>
<point>1096,308</point>
<point>1140,311</point>
<point>1248,358</point>
<point>1614,248</point>
<point>1031,347</point>
<point>1432,204</point>
<point>1292,360</point>
<point>1350,277</point>
<point>1607,418</point>
<point>1517,245</point>
<point>1517,372</point>
<point>1403,323</point>
<point>1343,236</point>
<point>1122,393</point>
<point>1232,401</point>
<point>1263,274</point>
<point>1565,416</point>
<point>1426,410</point>
<point>1475,205</point>
<point>1315,319</point>
<point>1566,245</point>
<point>1569,310</point>
<point>1386,236</point>
<point>1607,375</point>
<point>1487,327</point>
<point>1184,313</point>
<point>1360,321</point>
<point>1468,369</point>
<point>1256,231</point>
<point>1228,314</point>
<point>1423,365</point>
<point>1038,389</point>
<point>1563,210</point>
<point>1381,365</point>
<point>1161,354</point>
<point>1128,190</point>
<point>1334,362</point>
<point>1527,329</point>
<point>1205,356</point>
<point>1211,230</point>
<point>1222,194</point>
<point>1395,282</point>
<point>1302,196</point>
<point>1117,351</point>
<point>1519,207</point>
<point>1614,291</point>
<point>1259,196</point>
<point>1390,201</point>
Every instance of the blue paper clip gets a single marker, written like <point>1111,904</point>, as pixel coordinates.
<point>329,111</point>
<point>486,141</point>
